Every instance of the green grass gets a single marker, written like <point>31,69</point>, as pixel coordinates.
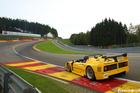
<point>45,84</point>
<point>50,47</point>
<point>66,41</point>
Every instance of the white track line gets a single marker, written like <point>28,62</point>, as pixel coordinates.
<point>128,80</point>
<point>43,62</point>
<point>31,58</point>
<point>62,66</point>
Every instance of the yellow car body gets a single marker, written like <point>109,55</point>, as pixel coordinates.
<point>99,67</point>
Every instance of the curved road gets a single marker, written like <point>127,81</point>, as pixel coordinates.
<point>10,51</point>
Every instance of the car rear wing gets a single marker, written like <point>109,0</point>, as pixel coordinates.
<point>124,57</point>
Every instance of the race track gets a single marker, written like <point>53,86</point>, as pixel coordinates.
<point>14,52</point>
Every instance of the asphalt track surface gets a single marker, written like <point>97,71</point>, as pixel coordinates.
<point>25,48</point>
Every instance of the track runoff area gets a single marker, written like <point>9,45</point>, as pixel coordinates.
<point>112,85</point>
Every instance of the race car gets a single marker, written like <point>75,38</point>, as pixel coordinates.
<point>98,67</point>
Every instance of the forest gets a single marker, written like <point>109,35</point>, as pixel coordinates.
<point>106,33</point>
<point>18,25</point>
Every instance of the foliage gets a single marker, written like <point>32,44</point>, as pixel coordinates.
<point>132,38</point>
<point>108,32</point>
<point>133,35</point>
<point>81,38</point>
<point>19,25</point>
<point>138,32</point>
<point>54,32</point>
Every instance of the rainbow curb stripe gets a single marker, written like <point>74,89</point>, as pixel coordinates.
<point>107,86</point>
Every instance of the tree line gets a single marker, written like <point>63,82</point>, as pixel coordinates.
<point>18,25</point>
<point>106,33</point>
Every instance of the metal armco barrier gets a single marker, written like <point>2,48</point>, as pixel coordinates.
<point>12,83</point>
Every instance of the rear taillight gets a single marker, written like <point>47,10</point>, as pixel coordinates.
<point>110,67</point>
<point>125,63</point>
<point>106,68</point>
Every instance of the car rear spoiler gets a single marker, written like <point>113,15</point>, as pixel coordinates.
<point>115,57</point>
<point>106,57</point>
<point>124,55</point>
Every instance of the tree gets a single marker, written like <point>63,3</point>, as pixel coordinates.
<point>54,32</point>
<point>19,25</point>
<point>132,38</point>
<point>88,37</point>
<point>108,32</point>
<point>79,39</point>
<point>138,32</point>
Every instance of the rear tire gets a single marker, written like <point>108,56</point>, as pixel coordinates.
<point>68,67</point>
<point>90,73</point>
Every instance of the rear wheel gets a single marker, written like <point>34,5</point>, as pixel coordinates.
<point>90,73</point>
<point>68,67</point>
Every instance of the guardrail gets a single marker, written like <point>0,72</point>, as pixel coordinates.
<point>12,83</point>
<point>99,50</point>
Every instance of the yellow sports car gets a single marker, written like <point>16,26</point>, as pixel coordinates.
<point>99,67</point>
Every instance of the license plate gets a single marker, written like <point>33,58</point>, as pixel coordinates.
<point>105,75</point>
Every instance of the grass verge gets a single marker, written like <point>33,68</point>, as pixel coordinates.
<point>45,84</point>
<point>66,41</point>
<point>50,47</point>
